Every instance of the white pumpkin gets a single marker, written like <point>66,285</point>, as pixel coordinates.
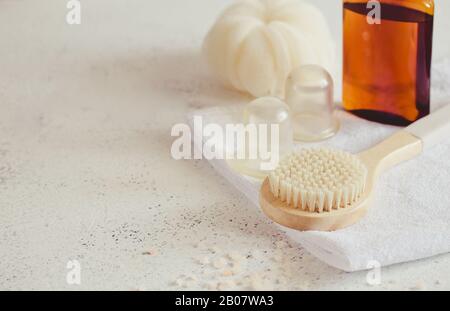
<point>255,44</point>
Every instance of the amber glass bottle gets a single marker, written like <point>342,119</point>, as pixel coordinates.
<point>387,60</point>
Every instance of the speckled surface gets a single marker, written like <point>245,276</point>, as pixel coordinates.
<point>85,166</point>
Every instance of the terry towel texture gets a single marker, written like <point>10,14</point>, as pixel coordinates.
<point>409,218</point>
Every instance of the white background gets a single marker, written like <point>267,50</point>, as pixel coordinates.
<point>85,167</point>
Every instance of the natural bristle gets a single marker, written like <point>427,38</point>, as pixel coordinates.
<point>319,180</point>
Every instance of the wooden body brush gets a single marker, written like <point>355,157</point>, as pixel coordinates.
<point>326,190</point>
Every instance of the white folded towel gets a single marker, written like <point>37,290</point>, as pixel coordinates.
<point>409,218</point>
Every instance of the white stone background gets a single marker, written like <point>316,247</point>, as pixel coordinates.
<point>85,166</point>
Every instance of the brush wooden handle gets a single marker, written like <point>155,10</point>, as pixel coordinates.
<point>433,128</point>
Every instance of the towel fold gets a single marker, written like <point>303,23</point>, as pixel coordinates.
<point>409,217</point>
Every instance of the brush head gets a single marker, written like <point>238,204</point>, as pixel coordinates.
<point>319,180</point>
